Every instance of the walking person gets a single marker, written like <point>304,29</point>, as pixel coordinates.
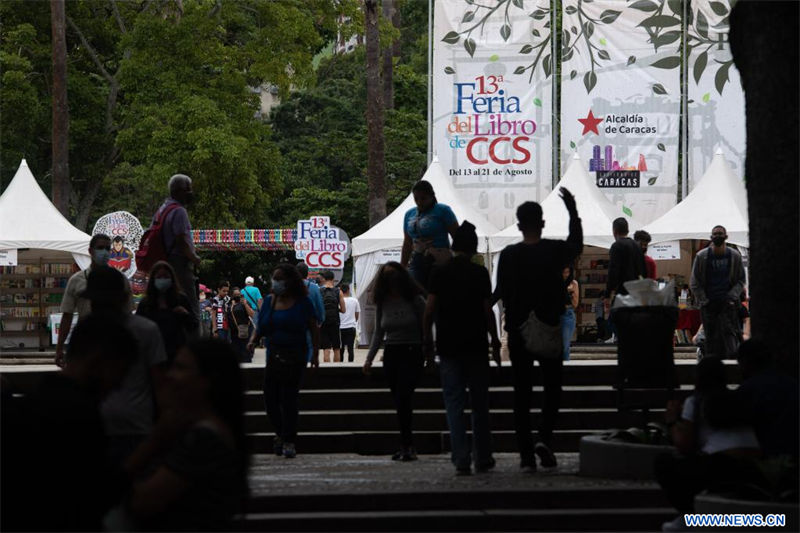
<point>177,235</point>
<point>459,298</point>
<point>239,320</point>
<point>220,308</point>
<point>625,263</point>
<point>426,228</point>
<point>333,301</point>
<point>570,305</point>
<point>717,282</point>
<point>252,297</point>
<point>398,326</point>
<point>530,282</point>
<point>166,305</point>
<point>348,321</point>
<point>286,321</point>
<point>315,296</point>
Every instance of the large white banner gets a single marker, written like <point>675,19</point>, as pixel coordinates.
<point>492,101</point>
<point>620,99</point>
<point>716,98</point>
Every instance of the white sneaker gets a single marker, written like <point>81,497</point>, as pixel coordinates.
<point>677,524</point>
<point>612,340</point>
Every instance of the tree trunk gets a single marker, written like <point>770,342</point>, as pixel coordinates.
<point>388,65</point>
<point>376,163</point>
<point>764,42</point>
<point>60,184</point>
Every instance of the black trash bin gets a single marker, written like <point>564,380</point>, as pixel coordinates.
<point>645,357</point>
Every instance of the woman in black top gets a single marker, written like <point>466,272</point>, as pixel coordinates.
<point>168,307</point>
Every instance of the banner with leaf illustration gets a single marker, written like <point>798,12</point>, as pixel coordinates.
<point>620,99</point>
<point>492,101</point>
<point>716,99</point>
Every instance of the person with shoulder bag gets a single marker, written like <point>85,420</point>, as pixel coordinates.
<point>285,320</point>
<point>239,319</point>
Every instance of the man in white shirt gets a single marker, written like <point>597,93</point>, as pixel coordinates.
<point>348,322</point>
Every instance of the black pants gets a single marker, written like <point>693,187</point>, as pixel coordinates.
<point>281,399</point>
<point>684,477</point>
<point>402,364</point>
<point>522,369</point>
<point>348,341</point>
<point>723,329</point>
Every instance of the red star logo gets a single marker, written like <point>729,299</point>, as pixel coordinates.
<point>590,123</point>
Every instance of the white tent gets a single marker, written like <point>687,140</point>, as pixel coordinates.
<point>28,219</point>
<point>596,211</point>
<point>382,242</point>
<point>719,198</point>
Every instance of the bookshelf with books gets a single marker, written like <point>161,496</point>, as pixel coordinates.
<point>591,271</point>
<point>29,293</point>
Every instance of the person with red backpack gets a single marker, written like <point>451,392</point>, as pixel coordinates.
<point>169,238</point>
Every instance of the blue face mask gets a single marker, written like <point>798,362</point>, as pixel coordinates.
<point>278,286</point>
<point>163,284</point>
<point>101,257</point>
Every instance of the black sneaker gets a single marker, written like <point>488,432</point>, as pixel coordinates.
<point>481,468</point>
<point>277,446</point>
<point>463,471</point>
<point>398,455</point>
<point>546,457</point>
<point>409,454</point>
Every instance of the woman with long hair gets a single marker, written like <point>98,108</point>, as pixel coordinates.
<point>398,325</point>
<point>571,293</point>
<point>285,319</point>
<point>192,469</point>
<point>166,305</point>
<point>426,229</point>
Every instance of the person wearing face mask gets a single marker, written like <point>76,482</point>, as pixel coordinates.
<point>285,320</point>
<point>717,282</point>
<point>166,305</point>
<point>239,319</point>
<point>177,235</point>
<point>73,301</point>
<point>426,228</point>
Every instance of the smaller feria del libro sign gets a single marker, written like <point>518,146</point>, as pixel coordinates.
<point>319,244</point>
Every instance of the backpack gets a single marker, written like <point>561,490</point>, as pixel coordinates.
<point>330,300</point>
<point>151,248</point>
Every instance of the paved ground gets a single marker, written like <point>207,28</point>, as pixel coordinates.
<point>350,473</point>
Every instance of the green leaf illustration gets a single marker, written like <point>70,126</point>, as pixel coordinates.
<point>702,25</point>
<point>568,55</point>
<point>667,62</point>
<point>644,5</point>
<point>517,3</point>
<point>667,38</point>
<point>494,57</point>
<point>660,21</point>
<point>659,89</point>
<point>547,65</point>
<point>449,70</point>
<point>535,33</point>
<point>602,54</point>
<point>652,181</point>
<point>573,74</point>
<point>721,77</point>
<point>468,16</point>
<point>588,28</point>
<point>603,42</point>
<point>661,147</point>
<point>627,211</point>
<point>519,70</point>
<point>700,66</point>
<point>538,14</point>
<point>631,60</point>
<point>572,145</point>
<point>574,30</point>
<point>505,32</point>
<point>469,46</point>
<point>526,49</point>
<point>537,102</point>
<point>609,16</point>
<point>470,2</point>
<point>719,8</point>
<point>547,24</point>
<point>589,81</point>
<point>570,10</point>
<point>690,101</point>
<point>566,37</point>
<point>451,38</point>
<point>706,98</point>
<point>676,6</point>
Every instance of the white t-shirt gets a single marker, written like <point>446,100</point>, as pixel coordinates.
<point>713,440</point>
<point>348,318</point>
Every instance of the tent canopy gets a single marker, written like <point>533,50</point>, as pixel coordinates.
<point>596,211</point>
<point>719,198</point>
<point>388,233</point>
<point>28,219</point>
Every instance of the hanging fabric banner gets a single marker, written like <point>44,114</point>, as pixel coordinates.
<point>492,101</point>
<point>716,98</point>
<point>620,99</point>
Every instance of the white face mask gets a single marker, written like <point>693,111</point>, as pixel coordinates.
<point>101,257</point>
<point>278,286</point>
<point>163,284</point>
